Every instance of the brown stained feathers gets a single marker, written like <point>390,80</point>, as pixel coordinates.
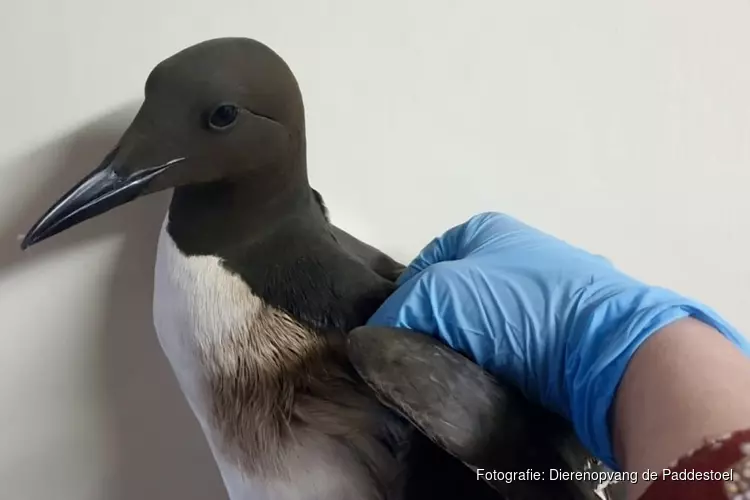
<point>274,384</point>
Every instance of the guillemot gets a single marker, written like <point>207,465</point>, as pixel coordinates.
<point>255,289</point>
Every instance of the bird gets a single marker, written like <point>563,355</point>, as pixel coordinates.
<point>256,291</point>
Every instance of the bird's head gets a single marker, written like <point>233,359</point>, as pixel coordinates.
<point>220,109</point>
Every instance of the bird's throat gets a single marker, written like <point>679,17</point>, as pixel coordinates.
<point>208,219</point>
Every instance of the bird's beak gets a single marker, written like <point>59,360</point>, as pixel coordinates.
<point>112,184</point>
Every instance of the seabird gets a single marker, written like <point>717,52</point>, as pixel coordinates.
<point>255,292</point>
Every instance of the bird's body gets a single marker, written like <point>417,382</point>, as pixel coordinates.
<point>254,328</point>
<point>285,419</point>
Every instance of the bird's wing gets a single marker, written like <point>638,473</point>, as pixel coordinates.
<point>471,415</point>
<point>373,258</point>
<point>376,260</point>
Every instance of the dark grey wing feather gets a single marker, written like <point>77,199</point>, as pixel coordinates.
<point>376,260</point>
<point>373,258</point>
<point>470,414</point>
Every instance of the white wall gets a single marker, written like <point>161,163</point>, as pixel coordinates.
<point>620,126</point>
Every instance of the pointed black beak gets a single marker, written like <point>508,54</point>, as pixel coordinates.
<point>99,192</point>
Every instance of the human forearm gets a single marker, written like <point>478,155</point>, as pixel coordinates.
<point>684,385</point>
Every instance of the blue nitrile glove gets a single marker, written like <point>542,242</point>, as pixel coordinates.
<point>558,322</point>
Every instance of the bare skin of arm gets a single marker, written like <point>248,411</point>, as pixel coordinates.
<point>685,385</point>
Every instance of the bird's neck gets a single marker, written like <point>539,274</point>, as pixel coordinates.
<point>205,219</point>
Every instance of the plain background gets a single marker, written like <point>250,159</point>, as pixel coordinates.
<point>623,127</point>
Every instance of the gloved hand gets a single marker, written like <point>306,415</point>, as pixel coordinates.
<point>558,322</point>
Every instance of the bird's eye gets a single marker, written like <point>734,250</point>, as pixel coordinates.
<point>223,117</point>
